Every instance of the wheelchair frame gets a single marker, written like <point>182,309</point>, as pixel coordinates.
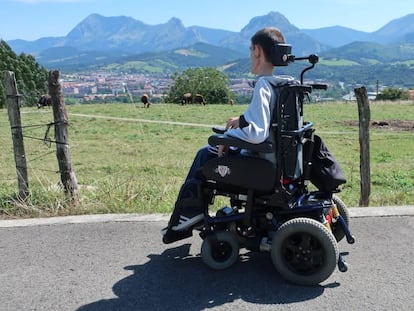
<point>300,228</point>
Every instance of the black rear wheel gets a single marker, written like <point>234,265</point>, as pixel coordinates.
<point>304,251</point>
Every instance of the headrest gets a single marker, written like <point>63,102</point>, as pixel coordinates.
<point>280,54</point>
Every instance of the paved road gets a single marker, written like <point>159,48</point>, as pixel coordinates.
<point>117,262</point>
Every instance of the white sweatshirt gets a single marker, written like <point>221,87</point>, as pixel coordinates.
<point>258,113</point>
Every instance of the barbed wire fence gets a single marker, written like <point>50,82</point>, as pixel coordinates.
<point>60,124</point>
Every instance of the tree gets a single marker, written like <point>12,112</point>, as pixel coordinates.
<point>392,94</point>
<point>209,82</point>
<point>30,76</point>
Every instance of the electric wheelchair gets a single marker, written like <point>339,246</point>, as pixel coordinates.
<point>271,207</point>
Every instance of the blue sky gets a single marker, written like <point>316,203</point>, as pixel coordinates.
<point>33,19</point>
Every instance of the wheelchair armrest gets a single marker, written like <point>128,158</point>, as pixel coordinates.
<point>220,139</point>
<point>219,130</point>
<point>307,126</point>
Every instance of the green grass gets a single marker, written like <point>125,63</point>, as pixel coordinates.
<point>125,166</point>
<point>338,62</point>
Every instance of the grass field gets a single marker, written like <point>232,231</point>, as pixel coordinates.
<point>130,159</point>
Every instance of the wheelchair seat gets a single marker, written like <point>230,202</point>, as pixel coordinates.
<point>241,172</point>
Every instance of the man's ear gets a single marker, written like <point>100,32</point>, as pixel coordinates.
<point>257,51</point>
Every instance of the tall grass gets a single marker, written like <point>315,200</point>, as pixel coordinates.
<point>135,164</point>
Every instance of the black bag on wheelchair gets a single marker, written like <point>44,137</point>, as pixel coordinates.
<point>326,174</point>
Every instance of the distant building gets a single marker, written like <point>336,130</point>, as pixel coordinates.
<point>351,96</point>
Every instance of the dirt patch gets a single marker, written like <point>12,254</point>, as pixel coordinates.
<point>392,125</point>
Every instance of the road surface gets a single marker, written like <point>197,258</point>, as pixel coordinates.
<point>119,263</point>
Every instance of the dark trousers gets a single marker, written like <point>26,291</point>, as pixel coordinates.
<point>188,191</point>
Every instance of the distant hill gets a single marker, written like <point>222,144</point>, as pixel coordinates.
<point>336,36</point>
<point>129,36</point>
<point>71,59</point>
<point>98,40</point>
<point>35,47</point>
<point>302,43</point>
<point>123,43</point>
<point>400,30</point>
<point>370,53</point>
<point>196,55</point>
<point>124,34</point>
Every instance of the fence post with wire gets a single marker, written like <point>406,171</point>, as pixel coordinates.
<point>13,109</point>
<point>365,167</point>
<point>67,175</point>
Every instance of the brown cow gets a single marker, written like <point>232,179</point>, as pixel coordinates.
<point>44,100</point>
<point>145,100</point>
<point>199,99</point>
<point>231,102</point>
<point>186,99</point>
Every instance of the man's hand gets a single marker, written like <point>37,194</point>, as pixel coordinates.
<point>222,150</point>
<point>232,123</point>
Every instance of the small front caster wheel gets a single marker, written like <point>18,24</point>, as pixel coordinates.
<point>220,250</point>
<point>342,265</point>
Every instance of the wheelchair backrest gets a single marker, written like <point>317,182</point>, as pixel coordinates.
<point>289,129</point>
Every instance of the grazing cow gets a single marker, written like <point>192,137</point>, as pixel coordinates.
<point>145,100</point>
<point>187,98</point>
<point>44,100</point>
<point>199,99</point>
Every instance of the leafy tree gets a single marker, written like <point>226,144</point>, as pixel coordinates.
<point>209,82</point>
<point>30,76</point>
<point>392,94</point>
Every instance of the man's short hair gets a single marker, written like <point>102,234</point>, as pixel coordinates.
<point>267,38</point>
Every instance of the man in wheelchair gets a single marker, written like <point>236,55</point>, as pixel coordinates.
<point>253,126</point>
<point>264,161</point>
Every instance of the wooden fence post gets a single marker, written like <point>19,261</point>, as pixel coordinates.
<point>364,121</point>
<point>67,175</point>
<point>13,109</point>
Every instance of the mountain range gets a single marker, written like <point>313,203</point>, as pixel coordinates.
<point>100,41</point>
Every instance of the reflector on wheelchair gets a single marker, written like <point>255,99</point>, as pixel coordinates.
<point>241,171</point>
